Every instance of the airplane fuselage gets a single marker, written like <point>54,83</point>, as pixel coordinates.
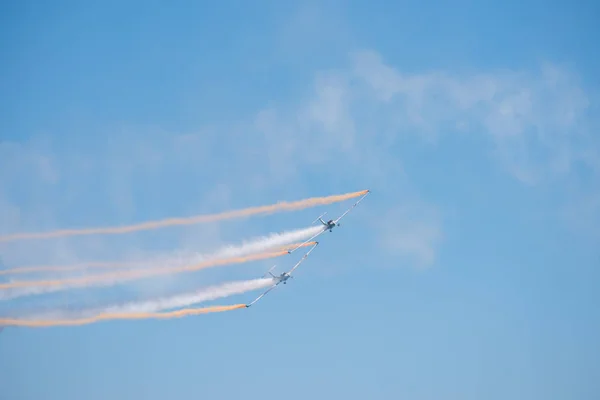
<point>283,278</point>
<point>329,225</point>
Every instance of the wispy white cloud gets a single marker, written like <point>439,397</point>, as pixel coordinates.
<point>412,233</point>
<point>537,121</point>
<point>342,132</point>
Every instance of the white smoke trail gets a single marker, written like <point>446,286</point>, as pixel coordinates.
<point>264,243</point>
<point>189,299</point>
<point>253,246</point>
<point>166,303</point>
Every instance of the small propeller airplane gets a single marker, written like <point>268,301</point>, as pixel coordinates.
<point>329,225</point>
<point>283,277</point>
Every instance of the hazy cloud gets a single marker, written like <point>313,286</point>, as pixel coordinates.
<point>341,132</point>
<point>537,121</point>
<point>411,232</point>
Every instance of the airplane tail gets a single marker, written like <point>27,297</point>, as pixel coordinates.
<point>269,272</point>
<point>320,218</point>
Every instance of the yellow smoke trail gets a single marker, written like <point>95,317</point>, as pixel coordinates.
<point>117,316</point>
<point>92,264</point>
<point>129,275</point>
<point>278,207</point>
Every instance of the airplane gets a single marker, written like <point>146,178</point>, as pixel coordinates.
<point>329,225</point>
<point>283,277</point>
<point>279,278</point>
<point>332,223</point>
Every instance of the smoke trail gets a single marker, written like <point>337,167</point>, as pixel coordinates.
<point>254,245</point>
<point>166,303</point>
<point>269,242</point>
<point>64,268</point>
<point>190,299</point>
<point>38,287</point>
<point>116,316</point>
<point>247,212</point>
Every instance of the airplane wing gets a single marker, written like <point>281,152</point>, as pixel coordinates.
<point>307,240</point>
<point>261,296</point>
<point>336,221</point>
<point>289,272</point>
<point>302,259</point>
<point>350,209</point>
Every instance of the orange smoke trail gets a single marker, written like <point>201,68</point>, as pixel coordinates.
<point>61,268</point>
<point>107,317</point>
<point>76,267</point>
<point>129,275</point>
<point>279,207</point>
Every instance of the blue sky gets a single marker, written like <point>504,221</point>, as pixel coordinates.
<point>469,273</point>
